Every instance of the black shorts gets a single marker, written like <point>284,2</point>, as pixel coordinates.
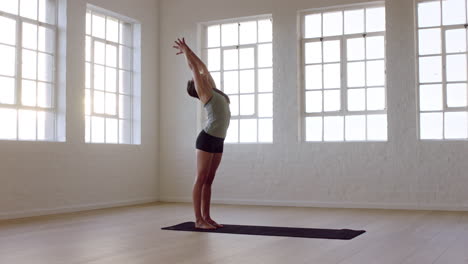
<point>209,143</point>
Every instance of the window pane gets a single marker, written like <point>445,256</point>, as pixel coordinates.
<point>88,23</point>
<point>99,52</point>
<point>99,26</point>
<point>313,128</point>
<point>125,79</point>
<point>98,104</point>
<point>356,74</point>
<point>248,32</point>
<point>247,104</point>
<point>8,119</point>
<point>88,49</point>
<point>265,105</point>
<point>313,26</point>
<point>234,105</point>
<point>7,63</point>
<point>45,126</point>
<point>332,101</point>
<point>354,21</point>
<point>375,19</point>
<point>126,31</point>
<point>125,107</point>
<point>248,130</point>
<point>430,69</point>
<point>111,103</point>
<point>47,11</point>
<point>8,29</point>
<point>112,128</point>
<point>355,49</point>
<point>214,58</point>
<point>456,125</point>
<point>111,55</point>
<point>375,48</point>
<point>332,24</point>
<point>27,125</point>
<point>355,128</point>
<point>229,34</point>
<point>97,129</point>
<point>232,135</point>
<point>429,41</point>
<point>332,76</point>
<point>430,97</point>
<point>265,56</point>
<point>375,73</point>
<point>99,77</point>
<point>231,59</point>
<point>356,99</point>
<point>313,77</point>
<point>429,14</point>
<point>7,90</point>
<point>456,95</point>
<point>377,127</point>
<point>112,31</point>
<point>265,80</point>
<point>247,58</point>
<point>313,102</point>
<point>45,67</point>
<point>28,9</point>
<point>453,12</point>
<point>29,64</point>
<point>265,30</point>
<point>111,79</point>
<point>231,82</point>
<point>456,68</point>
<point>125,132</point>
<point>125,58</point>
<point>333,128</point>
<point>213,36</point>
<point>88,75</point>
<point>28,93</point>
<point>265,130</point>
<point>375,99</point>
<point>29,36</point>
<point>313,52</point>
<point>87,129</point>
<point>247,81</point>
<point>331,51</point>
<point>455,40</point>
<point>431,126</point>
<point>10,6</point>
<point>46,40</point>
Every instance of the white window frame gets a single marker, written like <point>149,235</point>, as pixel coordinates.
<point>135,73</point>
<point>443,54</point>
<point>256,93</point>
<point>344,112</point>
<point>57,135</point>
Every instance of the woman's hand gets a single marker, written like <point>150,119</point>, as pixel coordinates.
<point>180,46</point>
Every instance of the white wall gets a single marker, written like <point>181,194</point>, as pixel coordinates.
<point>44,177</point>
<point>401,173</point>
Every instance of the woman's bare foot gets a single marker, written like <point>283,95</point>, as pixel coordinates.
<point>212,222</point>
<point>201,224</point>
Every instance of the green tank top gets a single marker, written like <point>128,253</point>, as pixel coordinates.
<point>219,115</point>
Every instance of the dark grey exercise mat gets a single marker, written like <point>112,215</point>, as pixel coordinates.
<point>344,234</point>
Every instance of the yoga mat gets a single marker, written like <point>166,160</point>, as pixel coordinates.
<point>344,234</point>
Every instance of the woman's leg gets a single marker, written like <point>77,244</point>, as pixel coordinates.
<point>206,191</point>
<point>204,160</point>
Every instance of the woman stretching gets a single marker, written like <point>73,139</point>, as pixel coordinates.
<point>210,141</point>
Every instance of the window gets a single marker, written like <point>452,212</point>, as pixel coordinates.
<point>240,59</point>
<point>28,96</point>
<point>111,101</point>
<point>343,69</point>
<point>442,53</point>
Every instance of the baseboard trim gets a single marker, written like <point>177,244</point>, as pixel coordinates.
<point>77,208</point>
<point>345,205</point>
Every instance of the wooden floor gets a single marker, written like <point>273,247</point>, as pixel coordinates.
<point>133,235</point>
